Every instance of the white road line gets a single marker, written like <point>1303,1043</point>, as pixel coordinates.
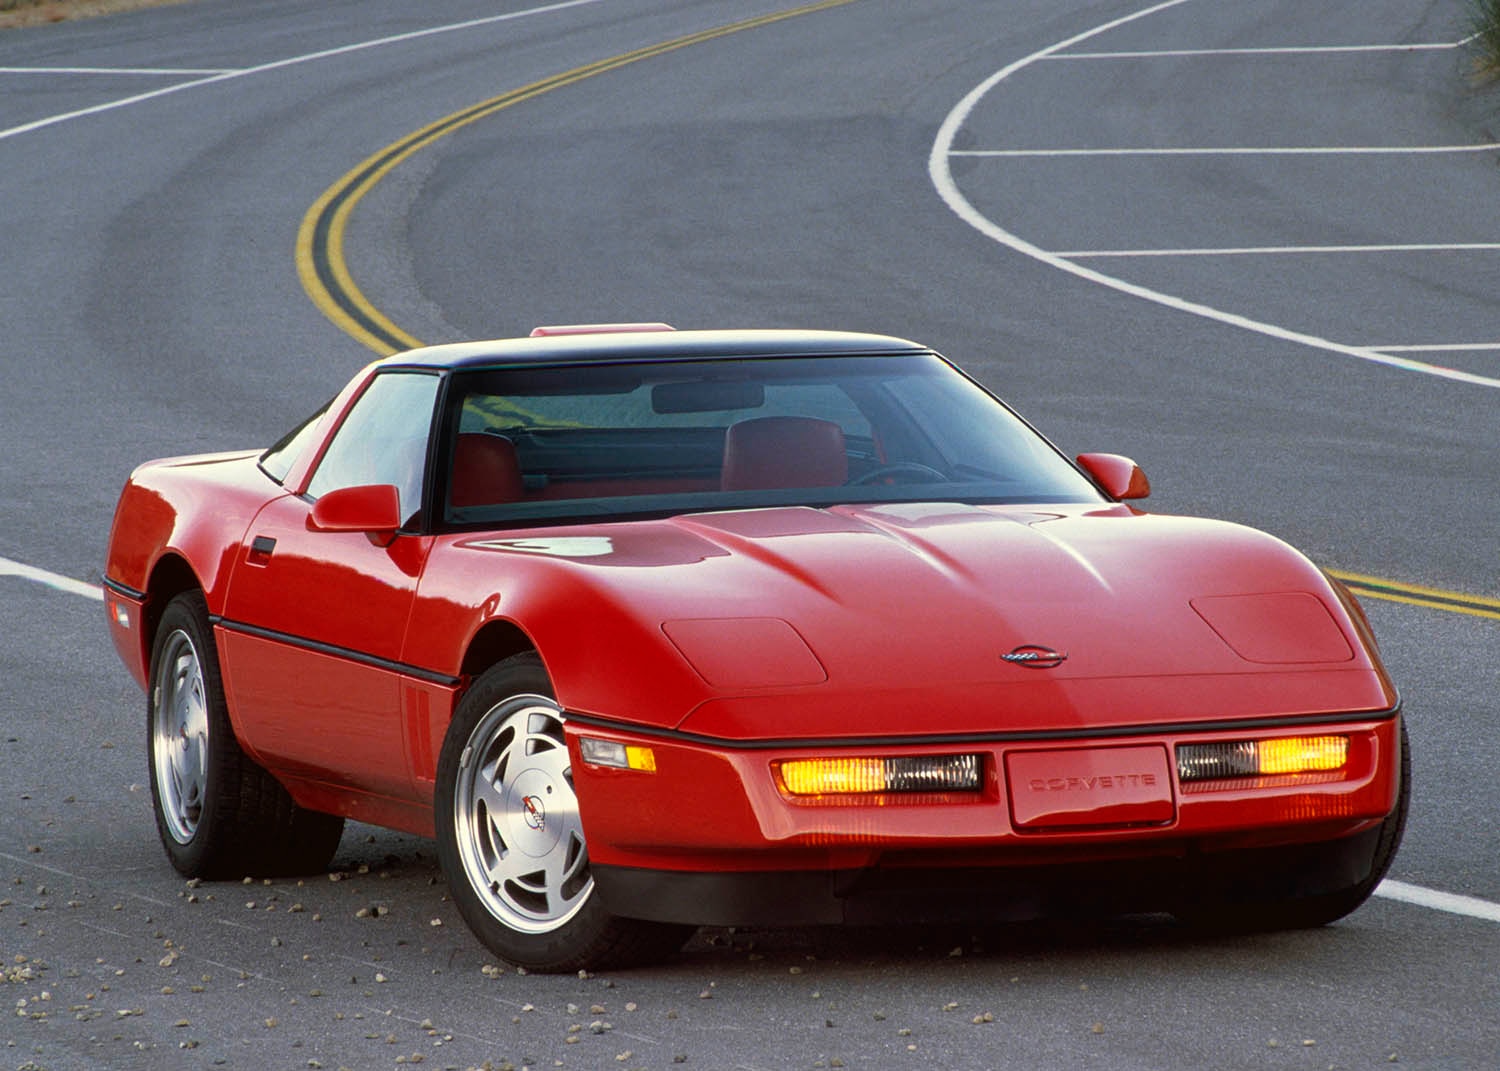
<point>1470,906</point>
<point>942,179</point>
<point>1434,899</point>
<point>1453,903</point>
<point>1287,50</point>
<point>120,70</point>
<point>1446,347</point>
<point>1239,150</point>
<point>941,175</point>
<point>52,580</point>
<point>123,102</point>
<point>1280,250</point>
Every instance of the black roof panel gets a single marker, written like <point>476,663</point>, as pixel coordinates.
<point>650,346</point>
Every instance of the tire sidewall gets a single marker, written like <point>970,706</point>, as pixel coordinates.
<point>188,614</point>
<point>574,940</point>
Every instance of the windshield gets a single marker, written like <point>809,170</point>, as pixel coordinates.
<point>635,439</point>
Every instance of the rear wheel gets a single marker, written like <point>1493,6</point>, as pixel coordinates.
<point>219,814</point>
<point>1272,903</point>
<point>510,839</point>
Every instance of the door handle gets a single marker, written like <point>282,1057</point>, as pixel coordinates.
<point>260,550</point>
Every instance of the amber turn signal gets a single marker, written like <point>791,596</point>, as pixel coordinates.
<point>1262,758</point>
<point>874,774</point>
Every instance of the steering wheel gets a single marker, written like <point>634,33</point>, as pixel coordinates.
<point>900,472</point>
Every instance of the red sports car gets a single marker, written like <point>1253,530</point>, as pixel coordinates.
<point>655,629</point>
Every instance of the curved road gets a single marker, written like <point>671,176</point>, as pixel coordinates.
<point>1246,243</point>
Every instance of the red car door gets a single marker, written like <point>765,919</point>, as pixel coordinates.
<point>314,621</point>
<point>310,642</point>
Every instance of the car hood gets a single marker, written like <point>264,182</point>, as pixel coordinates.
<point>976,616</point>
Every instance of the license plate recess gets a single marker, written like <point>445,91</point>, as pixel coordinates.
<point>1083,788</point>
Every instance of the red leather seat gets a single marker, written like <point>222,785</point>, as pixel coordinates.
<point>774,452</point>
<point>485,471</point>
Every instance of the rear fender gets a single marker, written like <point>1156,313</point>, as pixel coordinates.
<point>179,524</point>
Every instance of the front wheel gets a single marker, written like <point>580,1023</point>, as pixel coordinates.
<point>510,839</point>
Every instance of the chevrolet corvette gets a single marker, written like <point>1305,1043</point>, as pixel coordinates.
<point>655,629</point>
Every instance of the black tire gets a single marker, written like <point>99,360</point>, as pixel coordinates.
<point>510,839</point>
<point>1273,902</point>
<point>218,813</point>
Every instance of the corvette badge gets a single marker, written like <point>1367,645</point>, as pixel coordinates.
<point>1034,657</point>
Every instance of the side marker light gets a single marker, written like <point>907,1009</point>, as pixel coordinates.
<point>613,753</point>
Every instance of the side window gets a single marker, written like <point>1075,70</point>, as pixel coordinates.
<point>383,439</point>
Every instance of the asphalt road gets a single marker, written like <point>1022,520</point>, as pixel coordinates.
<point>1074,200</point>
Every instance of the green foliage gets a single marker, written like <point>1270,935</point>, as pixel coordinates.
<point>1484,25</point>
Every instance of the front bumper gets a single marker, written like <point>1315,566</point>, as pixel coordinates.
<point>709,837</point>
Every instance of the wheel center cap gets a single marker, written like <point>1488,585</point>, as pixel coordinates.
<point>531,813</point>
<point>535,811</point>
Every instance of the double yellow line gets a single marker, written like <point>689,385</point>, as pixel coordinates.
<point>320,240</point>
<point>1433,598</point>
<point>325,273</point>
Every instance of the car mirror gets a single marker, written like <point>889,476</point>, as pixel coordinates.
<point>374,509</point>
<point>1118,477</point>
<point>707,396</point>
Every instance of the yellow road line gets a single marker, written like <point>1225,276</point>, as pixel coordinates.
<point>1457,602</point>
<point>325,274</point>
<point>320,258</point>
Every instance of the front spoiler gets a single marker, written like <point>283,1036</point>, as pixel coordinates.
<point>991,894</point>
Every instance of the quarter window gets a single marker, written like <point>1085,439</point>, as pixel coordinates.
<point>279,459</point>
